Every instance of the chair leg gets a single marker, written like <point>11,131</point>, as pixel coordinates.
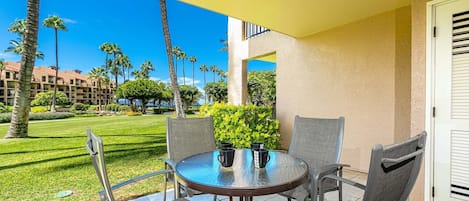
<point>340,184</point>
<point>165,186</point>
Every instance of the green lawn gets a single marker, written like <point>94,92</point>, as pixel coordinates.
<point>54,158</point>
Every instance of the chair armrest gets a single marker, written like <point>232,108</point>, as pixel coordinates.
<point>135,179</point>
<point>347,181</point>
<point>388,162</point>
<point>330,169</point>
<point>171,163</point>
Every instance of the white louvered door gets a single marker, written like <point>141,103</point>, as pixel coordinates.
<point>451,98</point>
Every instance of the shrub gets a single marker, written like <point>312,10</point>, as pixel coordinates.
<point>93,108</point>
<point>37,109</point>
<point>242,125</point>
<point>113,107</point>
<point>124,108</point>
<point>77,107</point>
<point>134,113</point>
<point>4,108</point>
<point>6,117</point>
<point>50,115</point>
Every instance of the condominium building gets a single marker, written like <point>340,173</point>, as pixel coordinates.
<point>77,86</point>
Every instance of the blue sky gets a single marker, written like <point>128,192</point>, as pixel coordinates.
<point>134,25</point>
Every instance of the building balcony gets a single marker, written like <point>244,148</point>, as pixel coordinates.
<point>251,30</point>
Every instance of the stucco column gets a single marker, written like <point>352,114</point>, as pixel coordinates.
<point>237,65</point>
<point>417,118</point>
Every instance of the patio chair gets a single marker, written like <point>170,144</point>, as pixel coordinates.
<point>318,142</point>
<point>94,145</point>
<point>186,137</point>
<point>393,170</point>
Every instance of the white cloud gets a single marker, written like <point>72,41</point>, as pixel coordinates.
<point>7,56</point>
<point>69,21</point>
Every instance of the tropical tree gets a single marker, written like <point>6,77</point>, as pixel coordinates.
<point>189,95</point>
<point>261,88</point>
<point>115,69</point>
<point>193,59</point>
<point>221,74</point>
<point>57,24</point>
<point>144,90</point>
<point>123,61</point>
<point>214,69</point>
<point>216,91</point>
<point>176,51</point>
<point>224,42</point>
<point>138,75</point>
<point>18,48</point>
<point>99,75</point>
<point>46,98</point>
<point>106,48</point>
<point>145,68</point>
<point>21,106</point>
<point>183,57</point>
<point>167,38</point>
<point>2,67</point>
<point>204,69</point>
<point>18,27</point>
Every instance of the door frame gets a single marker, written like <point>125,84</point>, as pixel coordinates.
<point>430,95</point>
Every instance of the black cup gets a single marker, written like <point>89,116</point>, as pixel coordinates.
<point>261,157</point>
<point>256,145</point>
<point>226,157</point>
<point>225,144</point>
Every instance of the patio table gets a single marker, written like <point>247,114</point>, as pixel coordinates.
<point>204,173</point>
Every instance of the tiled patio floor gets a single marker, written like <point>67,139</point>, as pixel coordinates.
<point>350,193</point>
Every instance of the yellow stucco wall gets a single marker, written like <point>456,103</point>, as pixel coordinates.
<point>360,71</point>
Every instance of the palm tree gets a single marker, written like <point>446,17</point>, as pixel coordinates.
<point>2,67</point>
<point>126,64</point>
<point>193,59</point>
<point>183,57</point>
<point>221,74</point>
<point>57,24</point>
<point>114,68</point>
<point>106,48</point>
<point>18,27</point>
<point>99,75</point>
<point>18,48</point>
<point>145,68</point>
<point>214,69</point>
<point>204,69</point>
<point>167,39</point>
<point>21,107</point>
<point>176,50</point>
<point>138,75</point>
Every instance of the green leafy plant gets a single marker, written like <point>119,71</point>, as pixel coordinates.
<point>36,109</point>
<point>79,107</point>
<point>242,125</point>
<point>6,117</point>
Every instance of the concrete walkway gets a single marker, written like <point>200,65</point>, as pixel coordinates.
<point>350,193</point>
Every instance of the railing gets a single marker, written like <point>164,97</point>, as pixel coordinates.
<point>252,30</point>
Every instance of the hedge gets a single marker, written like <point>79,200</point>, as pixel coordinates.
<point>242,125</point>
<point>6,117</point>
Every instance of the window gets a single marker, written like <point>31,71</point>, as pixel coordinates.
<point>7,75</point>
<point>71,81</point>
<point>43,78</point>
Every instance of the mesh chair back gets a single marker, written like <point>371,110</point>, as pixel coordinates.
<point>317,141</point>
<point>94,145</point>
<point>186,137</point>
<point>394,169</point>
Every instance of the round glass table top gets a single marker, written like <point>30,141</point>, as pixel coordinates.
<point>203,172</point>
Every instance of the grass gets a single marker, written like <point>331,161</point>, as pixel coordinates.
<point>54,157</point>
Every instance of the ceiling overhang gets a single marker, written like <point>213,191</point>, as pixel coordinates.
<point>299,18</point>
